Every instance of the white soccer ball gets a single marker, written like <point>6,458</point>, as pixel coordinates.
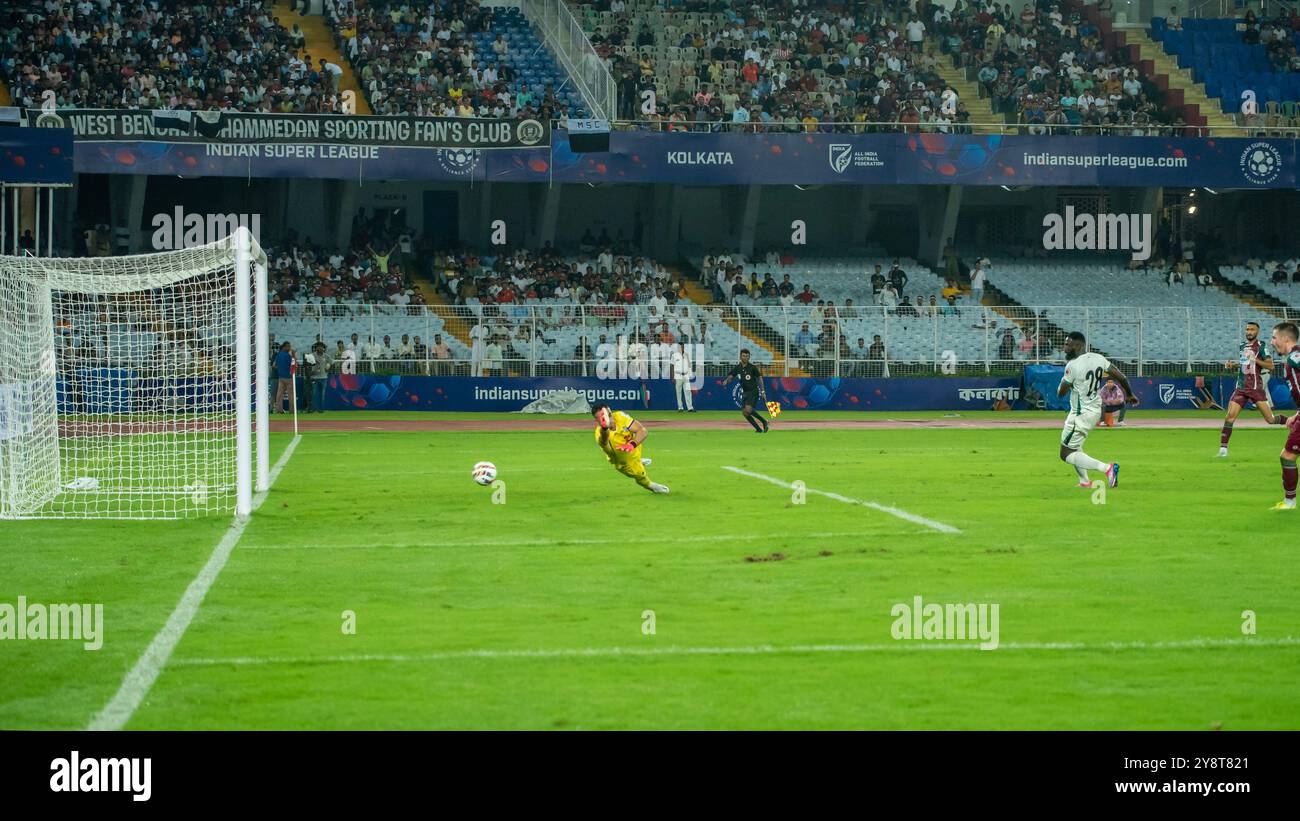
<point>485,473</point>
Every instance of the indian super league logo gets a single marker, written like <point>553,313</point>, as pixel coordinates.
<point>1261,162</point>
<point>458,161</point>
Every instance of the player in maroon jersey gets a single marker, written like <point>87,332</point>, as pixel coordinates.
<point>1285,338</point>
<point>1255,361</point>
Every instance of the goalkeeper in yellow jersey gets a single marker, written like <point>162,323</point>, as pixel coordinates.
<point>620,437</point>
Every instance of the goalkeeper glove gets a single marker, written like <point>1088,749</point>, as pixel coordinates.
<point>626,446</point>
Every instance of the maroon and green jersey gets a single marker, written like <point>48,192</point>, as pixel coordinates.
<point>1252,379</point>
<point>1292,373</point>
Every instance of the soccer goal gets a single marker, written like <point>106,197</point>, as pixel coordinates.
<point>127,383</point>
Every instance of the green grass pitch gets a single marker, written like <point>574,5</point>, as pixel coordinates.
<point>530,614</point>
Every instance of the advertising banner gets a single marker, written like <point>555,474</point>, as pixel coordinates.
<point>36,156</point>
<point>237,128</point>
<point>698,159</point>
<point>367,391</point>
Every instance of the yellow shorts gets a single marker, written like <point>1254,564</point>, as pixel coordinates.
<point>629,464</point>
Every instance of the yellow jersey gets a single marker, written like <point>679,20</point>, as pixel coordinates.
<point>620,434</point>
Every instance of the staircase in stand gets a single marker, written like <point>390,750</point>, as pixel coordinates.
<point>320,42</point>
<point>982,118</point>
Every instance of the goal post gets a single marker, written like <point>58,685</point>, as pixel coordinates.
<point>127,383</point>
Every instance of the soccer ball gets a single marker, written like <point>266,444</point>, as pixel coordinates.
<point>485,473</point>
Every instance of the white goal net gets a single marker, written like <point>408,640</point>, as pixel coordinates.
<point>120,383</point>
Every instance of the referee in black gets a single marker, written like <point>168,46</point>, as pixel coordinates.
<point>752,391</point>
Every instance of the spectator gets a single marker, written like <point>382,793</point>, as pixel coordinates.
<point>1112,402</point>
<point>284,378</point>
<point>859,354</point>
<point>318,369</point>
<point>805,342</point>
<point>492,358</point>
<point>898,278</point>
<point>1007,347</point>
<point>876,357</point>
<point>877,282</point>
<point>977,280</point>
<point>888,297</point>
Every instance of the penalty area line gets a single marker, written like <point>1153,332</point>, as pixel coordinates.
<point>892,511</point>
<point>754,650</point>
<point>139,680</point>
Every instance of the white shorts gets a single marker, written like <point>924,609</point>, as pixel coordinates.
<point>1077,427</point>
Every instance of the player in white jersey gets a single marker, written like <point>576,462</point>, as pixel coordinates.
<point>1085,373</point>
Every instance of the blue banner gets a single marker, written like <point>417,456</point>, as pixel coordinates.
<point>117,391</point>
<point>738,159</point>
<point>459,393</point>
<point>36,156</point>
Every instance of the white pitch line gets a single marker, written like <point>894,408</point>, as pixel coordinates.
<point>721,537</point>
<point>754,650</point>
<point>892,511</point>
<point>137,683</point>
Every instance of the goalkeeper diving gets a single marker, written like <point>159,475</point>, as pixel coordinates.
<point>620,437</point>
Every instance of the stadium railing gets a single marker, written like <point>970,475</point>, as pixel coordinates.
<point>1145,341</point>
<point>1004,129</point>
<point>564,34</point>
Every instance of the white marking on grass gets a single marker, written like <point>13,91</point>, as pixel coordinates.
<point>892,511</point>
<point>754,650</point>
<point>720,537</point>
<point>137,683</point>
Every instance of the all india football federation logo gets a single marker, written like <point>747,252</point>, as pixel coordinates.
<point>1166,394</point>
<point>841,154</point>
<point>458,161</point>
<point>1261,162</point>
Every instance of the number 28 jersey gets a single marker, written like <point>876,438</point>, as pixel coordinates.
<point>1086,373</point>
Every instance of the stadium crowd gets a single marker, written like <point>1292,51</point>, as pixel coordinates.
<point>597,277</point>
<point>161,54</point>
<point>1277,34</point>
<point>872,66</point>
<point>375,269</point>
<point>786,65</point>
<point>420,58</point>
<point>1049,68</point>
